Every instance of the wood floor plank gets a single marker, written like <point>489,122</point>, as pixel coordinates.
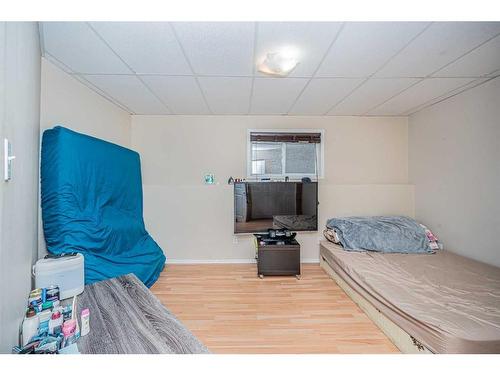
<point>231,310</point>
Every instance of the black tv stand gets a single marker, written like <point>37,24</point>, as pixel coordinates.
<point>278,254</point>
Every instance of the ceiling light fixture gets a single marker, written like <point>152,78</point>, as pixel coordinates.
<point>279,63</point>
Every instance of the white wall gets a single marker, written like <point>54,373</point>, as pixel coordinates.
<point>66,101</point>
<point>19,122</point>
<point>366,173</point>
<point>454,162</point>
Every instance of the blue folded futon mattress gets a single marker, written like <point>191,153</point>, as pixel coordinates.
<point>91,198</point>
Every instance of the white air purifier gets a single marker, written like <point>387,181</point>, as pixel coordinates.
<point>66,272</point>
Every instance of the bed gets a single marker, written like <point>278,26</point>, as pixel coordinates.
<point>425,303</point>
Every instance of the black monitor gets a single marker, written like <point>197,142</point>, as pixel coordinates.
<point>259,206</point>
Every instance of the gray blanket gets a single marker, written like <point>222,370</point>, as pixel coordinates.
<point>126,318</point>
<point>387,234</point>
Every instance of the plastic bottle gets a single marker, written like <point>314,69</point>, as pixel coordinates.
<point>44,320</point>
<point>69,332</point>
<point>30,325</point>
<point>74,316</point>
<point>55,323</point>
<point>85,319</point>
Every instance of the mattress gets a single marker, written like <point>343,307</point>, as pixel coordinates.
<point>91,199</point>
<point>449,303</point>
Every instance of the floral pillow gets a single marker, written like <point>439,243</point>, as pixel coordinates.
<point>434,243</point>
<point>331,236</point>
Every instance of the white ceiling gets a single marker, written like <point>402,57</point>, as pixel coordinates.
<point>352,68</point>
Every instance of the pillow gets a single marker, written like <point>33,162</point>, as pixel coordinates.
<point>331,236</point>
<point>433,240</point>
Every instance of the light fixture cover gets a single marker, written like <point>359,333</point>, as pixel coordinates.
<point>278,64</point>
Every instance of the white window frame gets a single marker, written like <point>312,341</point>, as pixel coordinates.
<point>293,176</point>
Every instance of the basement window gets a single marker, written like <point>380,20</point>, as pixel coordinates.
<point>281,153</point>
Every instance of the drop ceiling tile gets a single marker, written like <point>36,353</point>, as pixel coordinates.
<point>470,85</point>
<point>275,95</point>
<point>482,61</point>
<point>181,94</point>
<point>147,47</point>
<point>363,47</point>
<point>78,47</point>
<point>422,92</point>
<point>495,73</point>
<point>439,45</point>
<point>310,39</point>
<point>129,91</point>
<point>322,93</point>
<point>372,93</point>
<point>227,95</point>
<point>218,48</point>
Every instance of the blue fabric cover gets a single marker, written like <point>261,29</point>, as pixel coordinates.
<point>387,234</point>
<point>91,193</point>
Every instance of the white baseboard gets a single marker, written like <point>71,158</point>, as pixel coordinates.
<point>310,260</point>
<point>227,261</point>
<point>209,261</point>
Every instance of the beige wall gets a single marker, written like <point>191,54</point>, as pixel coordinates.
<point>454,163</point>
<point>66,101</point>
<point>19,122</point>
<point>366,172</point>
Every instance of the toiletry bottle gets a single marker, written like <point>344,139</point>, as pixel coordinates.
<point>44,319</point>
<point>30,325</point>
<point>74,316</point>
<point>55,324</point>
<point>69,332</point>
<point>85,319</point>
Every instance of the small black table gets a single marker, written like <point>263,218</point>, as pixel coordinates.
<point>277,258</point>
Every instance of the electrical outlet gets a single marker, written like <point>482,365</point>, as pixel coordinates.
<point>235,240</point>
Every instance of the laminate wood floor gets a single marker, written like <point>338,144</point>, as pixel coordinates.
<point>231,310</point>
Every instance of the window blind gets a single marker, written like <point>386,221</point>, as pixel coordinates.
<point>285,137</point>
